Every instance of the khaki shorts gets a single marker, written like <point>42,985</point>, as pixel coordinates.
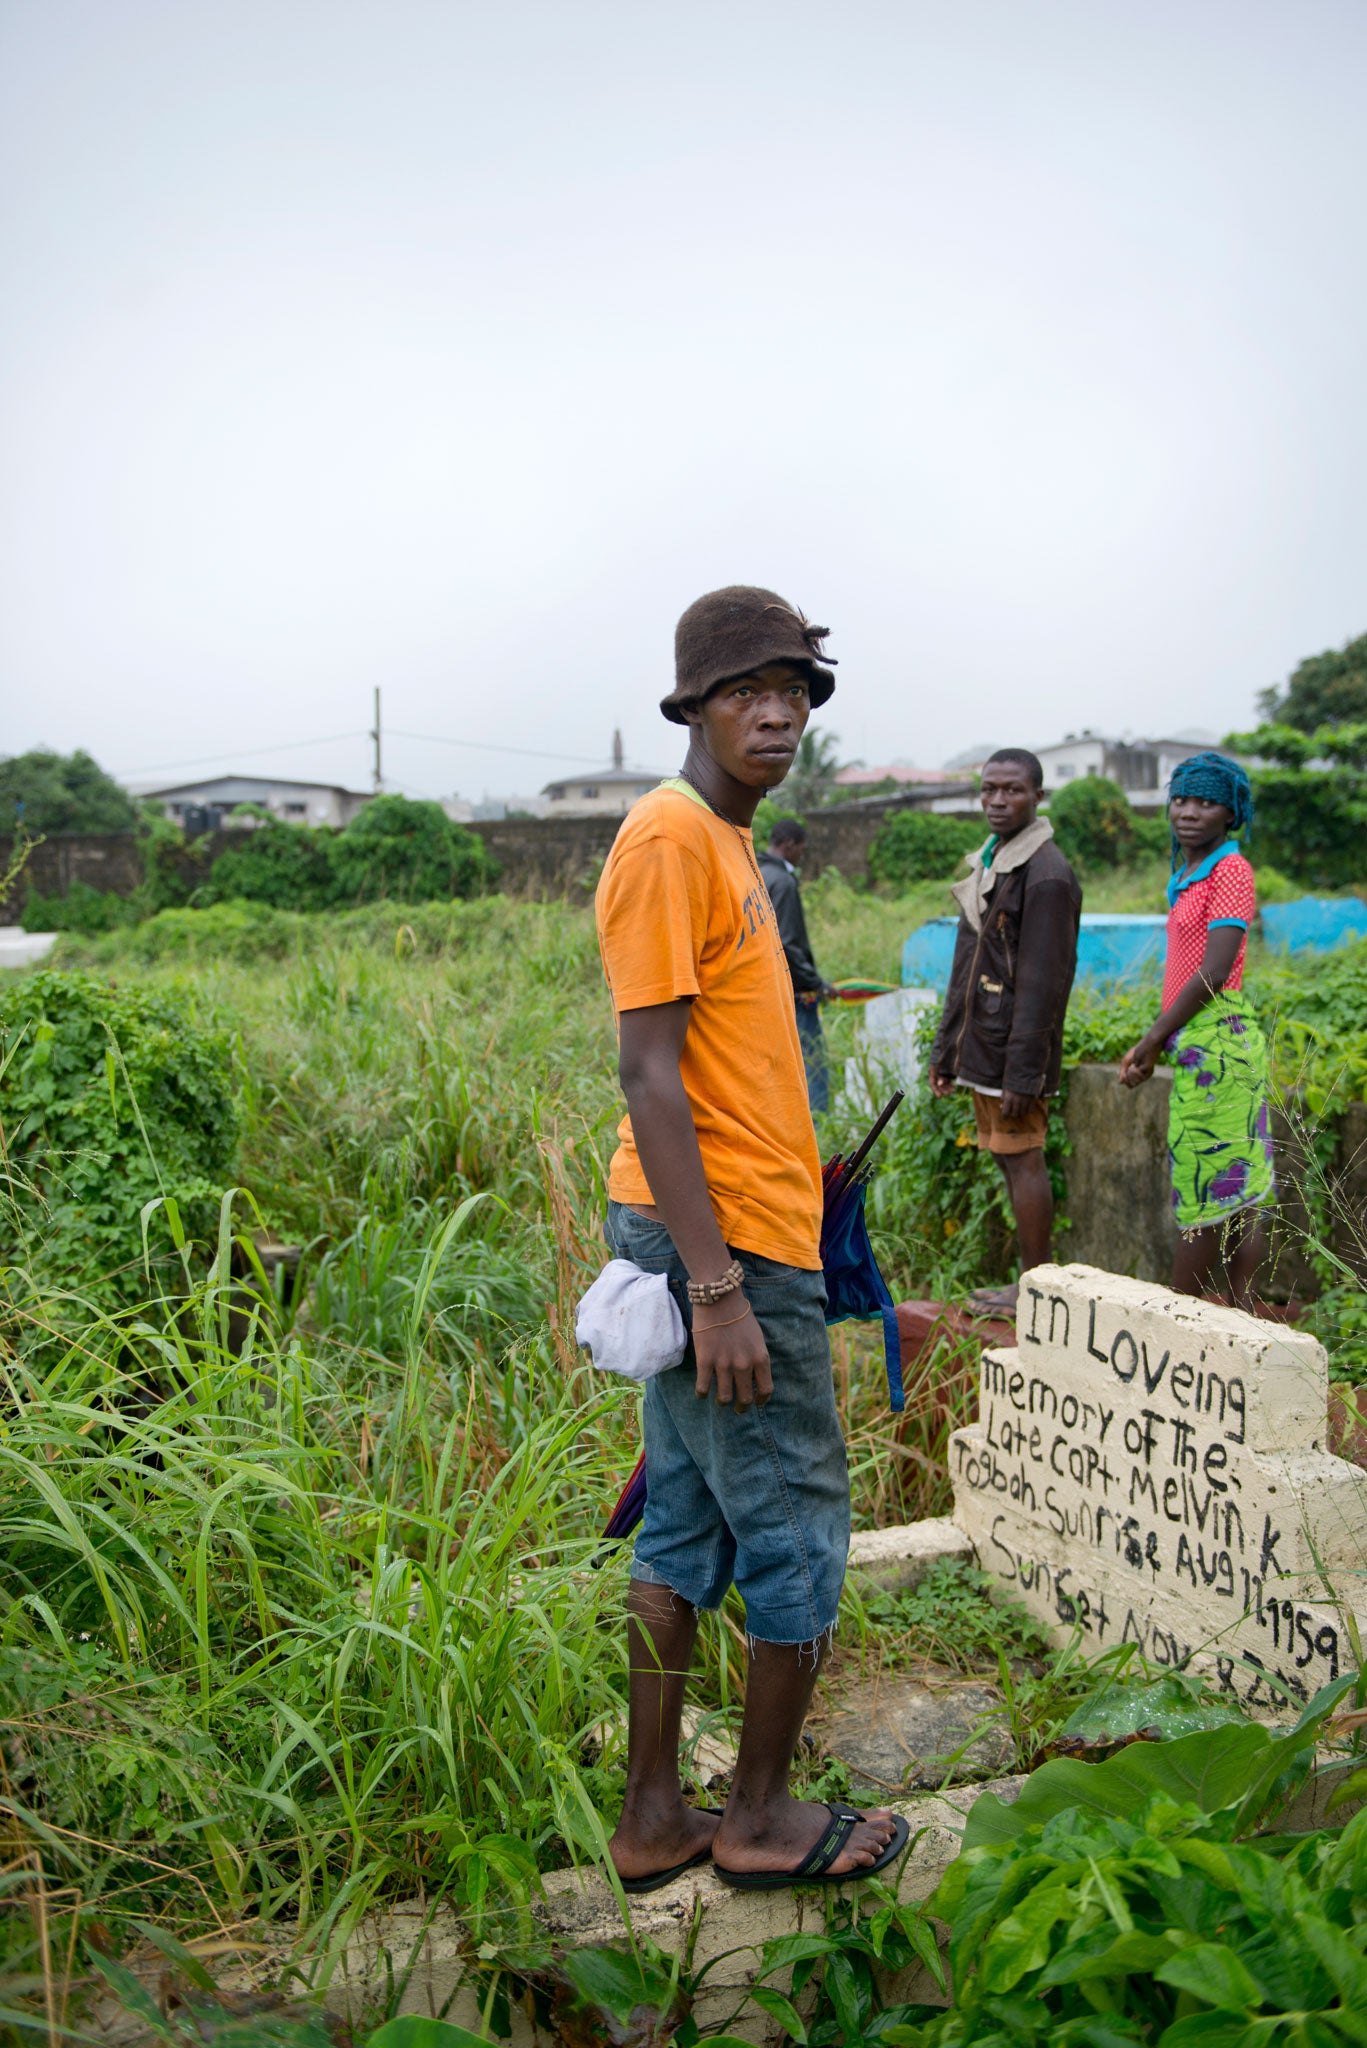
<point>995,1134</point>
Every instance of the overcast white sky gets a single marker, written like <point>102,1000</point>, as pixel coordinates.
<point>457,347</point>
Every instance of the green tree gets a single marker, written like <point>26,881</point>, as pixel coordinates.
<point>1326,689</point>
<point>1093,823</point>
<point>766,817</point>
<point>813,773</point>
<point>1310,821</point>
<point>409,851</point>
<point>922,846</point>
<point>49,792</point>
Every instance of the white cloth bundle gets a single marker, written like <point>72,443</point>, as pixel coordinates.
<point>629,1322</point>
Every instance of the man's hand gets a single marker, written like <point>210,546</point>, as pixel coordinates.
<point>940,1084</point>
<point>1016,1108</point>
<point>1138,1064</point>
<point>731,1350</point>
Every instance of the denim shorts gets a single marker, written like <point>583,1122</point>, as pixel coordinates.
<point>761,1498</point>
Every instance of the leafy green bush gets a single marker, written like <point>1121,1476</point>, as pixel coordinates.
<point>1311,820</point>
<point>288,866</point>
<point>1101,1929</point>
<point>408,851</point>
<point>1152,836</point>
<point>922,846</point>
<point>82,909</point>
<point>1339,1320</point>
<point>1093,823</point>
<point>111,1099</point>
<point>1120,1902</point>
<point>394,849</point>
<point>1314,1010</point>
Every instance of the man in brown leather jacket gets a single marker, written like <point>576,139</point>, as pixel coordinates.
<point>1001,1030</point>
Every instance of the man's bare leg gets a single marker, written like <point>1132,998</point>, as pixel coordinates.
<point>656,1830</point>
<point>764,1827</point>
<point>1031,1195</point>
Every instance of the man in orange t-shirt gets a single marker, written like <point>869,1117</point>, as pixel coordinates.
<point>717,1184</point>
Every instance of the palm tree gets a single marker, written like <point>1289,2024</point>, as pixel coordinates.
<point>813,773</point>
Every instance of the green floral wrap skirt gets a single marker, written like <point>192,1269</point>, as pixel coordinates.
<point>1219,1130</point>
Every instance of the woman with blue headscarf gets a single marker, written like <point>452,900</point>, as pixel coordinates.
<point>1219,1135</point>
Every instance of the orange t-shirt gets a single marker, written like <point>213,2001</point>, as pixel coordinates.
<point>683,911</point>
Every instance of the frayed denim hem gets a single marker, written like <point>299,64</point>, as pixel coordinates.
<point>824,1640</point>
<point>646,1575</point>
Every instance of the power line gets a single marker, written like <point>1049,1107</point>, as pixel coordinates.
<point>238,753</point>
<point>437,739</point>
<point>432,739</point>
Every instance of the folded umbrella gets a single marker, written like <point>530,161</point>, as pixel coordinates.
<point>855,991</point>
<point>855,1289</point>
<point>630,1506</point>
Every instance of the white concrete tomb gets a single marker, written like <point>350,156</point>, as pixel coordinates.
<point>1152,1468</point>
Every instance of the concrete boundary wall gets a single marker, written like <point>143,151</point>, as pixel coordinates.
<point>536,856</point>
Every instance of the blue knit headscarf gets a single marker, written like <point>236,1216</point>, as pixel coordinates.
<point>1220,781</point>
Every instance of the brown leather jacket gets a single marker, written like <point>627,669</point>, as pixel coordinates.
<point>1002,1023</point>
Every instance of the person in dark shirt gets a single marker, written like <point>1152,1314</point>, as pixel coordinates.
<point>779,865</point>
<point>1001,1029</point>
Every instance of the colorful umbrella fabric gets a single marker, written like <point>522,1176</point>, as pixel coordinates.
<point>860,991</point>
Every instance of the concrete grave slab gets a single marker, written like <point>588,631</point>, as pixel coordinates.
<point>896,1735</point>
<point>425,1953</point>
<point>1151,1468</point>
<point>896,1560</point>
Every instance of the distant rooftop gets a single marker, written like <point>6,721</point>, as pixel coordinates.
<point>972,758</point>
<point>617,775</point>
<point>896,771</point>
<point>227,787</point>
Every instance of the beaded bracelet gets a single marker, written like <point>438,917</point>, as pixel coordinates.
<point>703,1292</point>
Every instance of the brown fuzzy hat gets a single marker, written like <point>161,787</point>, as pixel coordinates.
<point>731,633</point>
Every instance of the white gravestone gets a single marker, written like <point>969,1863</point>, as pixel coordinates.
<point>1147,1467</point>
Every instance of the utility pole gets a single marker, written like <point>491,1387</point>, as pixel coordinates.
<point>375,735</point>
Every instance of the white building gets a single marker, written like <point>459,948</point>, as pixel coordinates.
<point>599,793</point>
<point>204,806</point>
<point>1140,766</point>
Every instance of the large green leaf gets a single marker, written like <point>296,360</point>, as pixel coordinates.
<point>415,2030</point>
<point>614,1981</point>
<point>1211,1970</point>
<point>1211,1768</point>
<point>1104,1953</point>
<point>781,2009</point>
<point>1172,1704</point>
<point>1228,2029</point>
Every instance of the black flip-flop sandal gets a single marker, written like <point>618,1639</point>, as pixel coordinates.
<point>815,1867</point>
<point>656,1880</point>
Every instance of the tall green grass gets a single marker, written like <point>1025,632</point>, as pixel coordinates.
<point>299,1603</point>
